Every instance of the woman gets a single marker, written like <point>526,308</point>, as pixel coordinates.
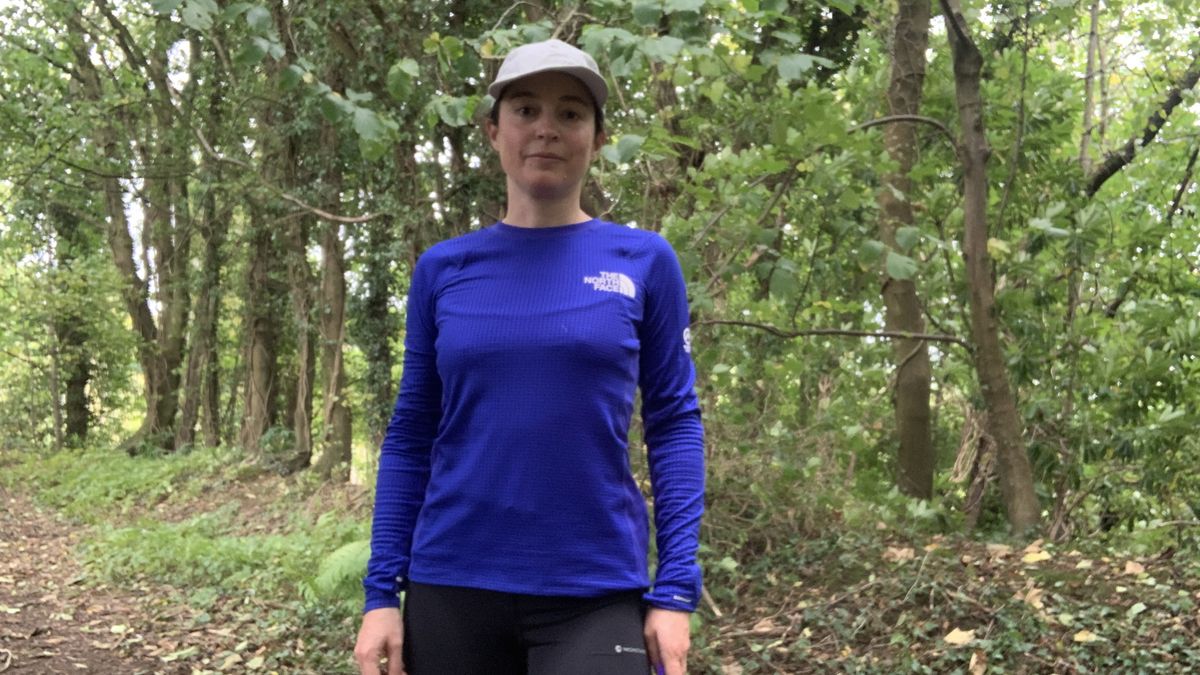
<point>505,505</point>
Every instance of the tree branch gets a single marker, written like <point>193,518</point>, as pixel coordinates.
<point>907,118</point>
<point>886,334</point>
<point>1115,161</point>
<point>1110,311</point>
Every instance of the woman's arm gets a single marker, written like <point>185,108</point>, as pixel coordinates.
<point>404,458</point>
<point>673,431</point>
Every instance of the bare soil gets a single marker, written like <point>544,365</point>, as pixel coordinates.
<point>50,622</point>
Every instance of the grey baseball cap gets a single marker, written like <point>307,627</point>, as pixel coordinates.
<point>547,56</point>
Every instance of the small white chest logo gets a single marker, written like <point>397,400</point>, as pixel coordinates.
<point>613,282</point>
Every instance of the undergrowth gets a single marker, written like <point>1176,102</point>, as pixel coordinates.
<point>801,575</point>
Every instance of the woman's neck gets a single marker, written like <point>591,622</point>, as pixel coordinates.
<point>542,213</point>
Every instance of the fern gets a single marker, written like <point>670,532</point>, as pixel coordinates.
<point>341,570</point>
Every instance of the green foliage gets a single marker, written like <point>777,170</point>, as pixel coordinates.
<point>340,573</point>
<point>97,485</point>
<point>208,551</point>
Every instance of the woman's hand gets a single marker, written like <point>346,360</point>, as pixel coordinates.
<point>667,639</point>
<point>382,634</point>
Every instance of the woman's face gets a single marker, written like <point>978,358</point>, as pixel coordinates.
<point>546,136</point>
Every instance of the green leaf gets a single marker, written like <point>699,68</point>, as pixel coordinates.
<point>647,12</point>
<point>1136,609</point>
<point>793,66</point>
<point>783,283</point>
<point>400,77</point>
<point>907,237</point>
<point>661,48</point>
<point>334,107</point>
<point>165,6</point>
<point>870,253</point>
<point>259,18</point>
<point>624,149</point>
<point>844,6</point>
<point>290,77</point>
<point>673,6</point>
<point>251,52</point>
<point>198,14</point>
<point>454,111</point>
<point>900,266</point>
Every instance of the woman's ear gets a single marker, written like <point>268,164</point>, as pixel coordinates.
<point>598,142</point>
<point>492,129</point>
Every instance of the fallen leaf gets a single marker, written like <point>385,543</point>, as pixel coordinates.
<point>1084,565</point>
<point>978,665</point>
<point>1035,557</point>
<point>9,610</point>
<point>1136,609</point>
<point>118,629</point>
<point>958,637</point>
<point>893,554</point>
<point>1086,636</point>
<point>1034,598</point>
<point>763,626</point>
<point>230,661</point>
<point>255,663</point>
<point>1133,567</point>
<point>998,550</point>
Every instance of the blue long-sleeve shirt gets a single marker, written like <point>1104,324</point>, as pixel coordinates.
<point>505,466</point>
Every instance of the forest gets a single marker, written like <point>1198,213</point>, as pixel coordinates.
<point>942,259</point>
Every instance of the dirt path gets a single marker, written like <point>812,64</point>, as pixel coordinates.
<point>51,622</point>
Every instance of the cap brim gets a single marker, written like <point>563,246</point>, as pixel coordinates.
<point>595,84</point>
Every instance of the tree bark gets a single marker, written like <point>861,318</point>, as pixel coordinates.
<point>1085,157</point>
<point>260,358</point>
<point>914,475</point>
<point>136,292</point>
<point>1115,161</point>
<point>72,366</point>
<point>200,390</point>
<point>335,432</point>
<point>1004,422</point>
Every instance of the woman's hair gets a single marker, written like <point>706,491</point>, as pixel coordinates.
<point>597,113</point>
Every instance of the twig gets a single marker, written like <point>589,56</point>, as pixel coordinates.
<point>208,149</point>
<point>708,598</point>
<point>886,334</point>
<point>908,118</point>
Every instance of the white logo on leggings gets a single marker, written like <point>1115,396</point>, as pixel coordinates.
<point>632,650</point>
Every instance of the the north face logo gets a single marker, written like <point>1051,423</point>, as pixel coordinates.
<point>613,282</point>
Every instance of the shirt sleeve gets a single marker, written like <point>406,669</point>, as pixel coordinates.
<point>404,458</point>
<point>673,431</point>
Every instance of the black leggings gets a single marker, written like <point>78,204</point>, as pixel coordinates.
<point>450,630</point>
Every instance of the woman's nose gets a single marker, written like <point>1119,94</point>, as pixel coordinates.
<point>546,128</point>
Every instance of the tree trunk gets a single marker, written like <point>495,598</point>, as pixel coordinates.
<point>1085,157</point>
<point>258,410</point>
<point>136,292</point>
<point>201,379</point>
<point>300,284</point>
<point>1004,423</point>
<point>335,432</point>
<point>914,475</point>
<point>71,365</point>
